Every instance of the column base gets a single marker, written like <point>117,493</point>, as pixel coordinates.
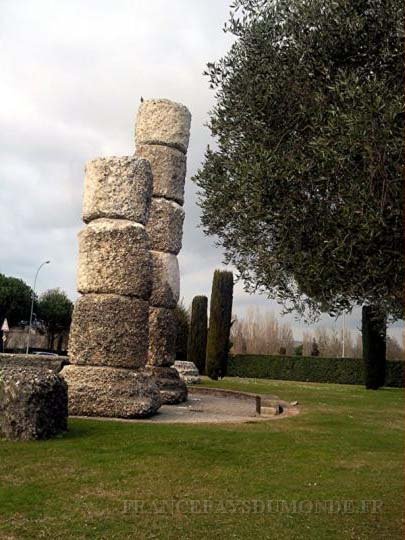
<point>110,392</point>
<point>172,388</point>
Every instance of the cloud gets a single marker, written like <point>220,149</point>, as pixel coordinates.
<point>72,76</point>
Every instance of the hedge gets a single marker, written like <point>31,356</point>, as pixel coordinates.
<point>310,369</point>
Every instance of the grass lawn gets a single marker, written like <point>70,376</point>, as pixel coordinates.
<point>346,445</point>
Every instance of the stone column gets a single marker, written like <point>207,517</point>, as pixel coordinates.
<point>161,136</point>
<point>108,345</point>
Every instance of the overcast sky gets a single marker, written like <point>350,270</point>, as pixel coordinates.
<point>72,73</point>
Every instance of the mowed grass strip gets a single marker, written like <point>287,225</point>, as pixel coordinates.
<point>255,480</point>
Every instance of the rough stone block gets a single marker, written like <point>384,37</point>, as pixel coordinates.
<point>117,187</point>
<point>117,393</point>
<point>162,336</point>
<point>188,371</point>
<point>33,403</point>
<point>165,280</point>
<point>54,362</point>
<point>114,258</point>
<point>168,170</point>
<point>165,226</point>
<point>161,121</point>
<point>109,330</point>
<point>172,388</point>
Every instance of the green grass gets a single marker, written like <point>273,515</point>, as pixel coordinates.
<point>347,444</point>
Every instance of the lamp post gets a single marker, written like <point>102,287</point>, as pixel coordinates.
<point>32,305</point>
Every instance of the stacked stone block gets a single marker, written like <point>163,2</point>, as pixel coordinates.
<point>108,344</point>
<point>162,136</point>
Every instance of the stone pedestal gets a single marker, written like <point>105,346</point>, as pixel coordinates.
<point>110,392</point>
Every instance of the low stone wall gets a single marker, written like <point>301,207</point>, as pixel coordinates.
<point>218,392</point>
<point>55,363</point>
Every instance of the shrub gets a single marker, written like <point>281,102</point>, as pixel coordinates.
<point>310,369</point>
<point>197,337</point>
<point>220,324</point>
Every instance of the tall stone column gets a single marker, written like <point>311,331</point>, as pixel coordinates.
<point>108,345</point>
<point>161,136</point>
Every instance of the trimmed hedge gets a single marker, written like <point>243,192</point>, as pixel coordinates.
<point>310,369</point>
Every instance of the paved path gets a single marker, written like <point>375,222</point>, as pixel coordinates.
<point>205,408</point>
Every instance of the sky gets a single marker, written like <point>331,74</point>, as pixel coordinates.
<point>72,74</point>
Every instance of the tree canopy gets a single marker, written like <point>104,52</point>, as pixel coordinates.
<point>55,309</point>
<point>304,189</point>
<point>15,300</point>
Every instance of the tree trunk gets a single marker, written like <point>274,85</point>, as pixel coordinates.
<point>51,339</point>
<point>374,329</point>
<point>60,342</point>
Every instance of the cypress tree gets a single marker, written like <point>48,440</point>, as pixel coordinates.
<point>374,347</point>
<point>182,329</point>
<point>218,344</point>
<point>197,337</point>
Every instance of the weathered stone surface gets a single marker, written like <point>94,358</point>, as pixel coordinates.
<point>117,187</point>
<point>172,388</point>
<point>165,280</point>
<point>188,372</point>
<point>168,169</point>
<point>33,403</point>
<point>109,330</point>
<point>162,336</point>
<point>165,226</point>
<point>161,121</point>
<point>104,391</point>
<point>55,363</point>
<point>114,258</point>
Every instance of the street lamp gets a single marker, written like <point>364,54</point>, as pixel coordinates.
<point>32,305</point>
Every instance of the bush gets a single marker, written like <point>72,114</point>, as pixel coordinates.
<point>218,345</point>
<point>310,369</point>
<point>197,337</point>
